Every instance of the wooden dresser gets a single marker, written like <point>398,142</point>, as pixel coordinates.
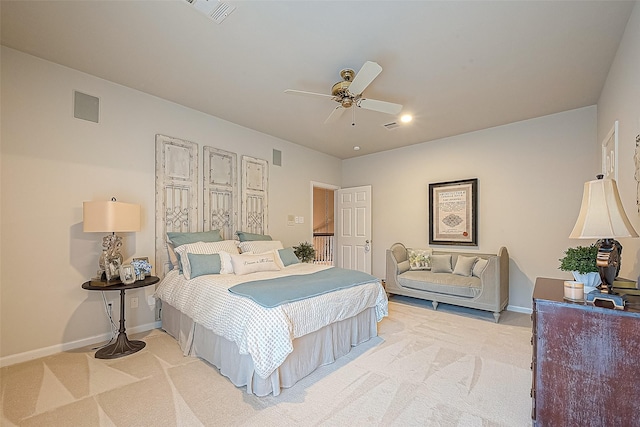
<point>586,361</point>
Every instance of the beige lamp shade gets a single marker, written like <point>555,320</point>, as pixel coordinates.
<point>602,214</point>
<point>110,216</point>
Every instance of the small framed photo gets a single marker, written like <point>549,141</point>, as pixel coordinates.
<point>127,274</point>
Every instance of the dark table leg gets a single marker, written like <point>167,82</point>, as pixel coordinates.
<point>122,346</point>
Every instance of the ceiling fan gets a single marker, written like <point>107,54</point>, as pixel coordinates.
<point>348,92</point>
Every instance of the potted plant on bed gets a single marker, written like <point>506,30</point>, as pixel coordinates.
<point>581,262</point>
<point>305,252</point>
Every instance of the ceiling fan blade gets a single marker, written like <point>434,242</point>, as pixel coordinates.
<point>365,76</point>
<point>382,106</point>
<point>304,93</point>
<point>335,114</point>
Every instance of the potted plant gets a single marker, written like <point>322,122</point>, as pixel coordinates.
<point>581,262</point>
<point>305,252</point>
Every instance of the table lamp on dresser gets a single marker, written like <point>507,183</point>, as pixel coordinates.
<point>602,217</point>
<point>110,217</point>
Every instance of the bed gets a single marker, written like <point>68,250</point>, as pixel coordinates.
<point>262,348</point>
<point>266,348</point>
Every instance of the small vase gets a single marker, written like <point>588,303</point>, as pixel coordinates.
<point>590,280</point>
<point>140,276</point>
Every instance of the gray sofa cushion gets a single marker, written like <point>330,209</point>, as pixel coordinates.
<point>464,264</point>
<point>404,266</point>
<point>444,283</point>
<point>441,263</point>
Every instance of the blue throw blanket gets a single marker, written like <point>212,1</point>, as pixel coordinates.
<point>274,292</point>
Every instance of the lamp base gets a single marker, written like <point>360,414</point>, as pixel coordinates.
<point>606,300</point>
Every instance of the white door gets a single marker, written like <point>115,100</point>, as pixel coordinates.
<point>354,228</point>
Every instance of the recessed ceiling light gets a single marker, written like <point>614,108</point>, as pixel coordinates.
<point>406,118</point>
<point>356,148</point>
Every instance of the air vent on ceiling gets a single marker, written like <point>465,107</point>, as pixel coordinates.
<point>392,125</point>
<point>214,9</point>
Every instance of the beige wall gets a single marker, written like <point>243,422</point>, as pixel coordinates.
<point>620,100</point>
<point>530,178</point>
<point>52,162</point>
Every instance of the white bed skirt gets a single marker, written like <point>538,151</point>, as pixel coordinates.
<point>309,351</point>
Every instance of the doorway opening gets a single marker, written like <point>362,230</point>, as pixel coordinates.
<point>323,224</point>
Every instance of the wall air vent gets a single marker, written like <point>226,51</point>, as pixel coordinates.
<point>214,9</point>
<point>392,126</point>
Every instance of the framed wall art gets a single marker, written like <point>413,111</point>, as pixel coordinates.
<point>453,213</point>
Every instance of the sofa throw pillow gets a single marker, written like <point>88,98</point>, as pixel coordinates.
<point>464,265</point>
<point>243,236</point>
<point>202,264</point>
<point>441,263</point>
<point>252,263</point>
<point>479,266</point>
<point>419,259</point>
<point>403,266</point>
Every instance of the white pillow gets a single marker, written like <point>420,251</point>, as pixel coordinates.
<point>260,246</point>
<point>419,259</point>
<point>251,263</point>
<point>464,265</point>
<point>224,247</point>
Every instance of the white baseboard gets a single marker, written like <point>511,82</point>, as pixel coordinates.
<point>519,309</point>
<point>58,348</point>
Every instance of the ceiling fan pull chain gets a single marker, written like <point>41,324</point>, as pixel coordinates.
<point>353,120</point>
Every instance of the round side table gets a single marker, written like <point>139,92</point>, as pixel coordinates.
<point>123,346</point>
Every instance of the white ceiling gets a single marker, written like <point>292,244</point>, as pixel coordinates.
<point>456,66</point>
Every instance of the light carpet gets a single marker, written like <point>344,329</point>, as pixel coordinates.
<point>426,368</point>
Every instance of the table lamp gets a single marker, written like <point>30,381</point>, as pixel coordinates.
<point>111,217</point>
<point>602,217</point>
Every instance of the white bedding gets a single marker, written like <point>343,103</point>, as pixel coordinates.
<point>266,334</point>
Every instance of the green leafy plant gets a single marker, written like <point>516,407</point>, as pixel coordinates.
<point>581,259</point>
<point>305,252</point>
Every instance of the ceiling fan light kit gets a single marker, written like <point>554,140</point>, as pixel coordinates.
<point>348,92</point>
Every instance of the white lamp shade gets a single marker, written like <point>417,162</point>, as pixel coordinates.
<point>602,214</point>
<point>110,216</point>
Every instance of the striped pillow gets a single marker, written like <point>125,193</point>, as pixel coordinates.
<point>224,248</point>
<point>260,246</point>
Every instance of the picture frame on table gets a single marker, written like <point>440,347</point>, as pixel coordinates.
<point>453,213</point>
<point>127,274</point>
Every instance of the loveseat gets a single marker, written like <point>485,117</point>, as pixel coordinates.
<point>474,280</point>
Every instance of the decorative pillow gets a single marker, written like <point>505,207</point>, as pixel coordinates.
<point>259,246</point>
<point>419,259</point>
<point>287,257</point>
<point>175,239</point>
<point>403,266</point>
<point>173,258</point>
<point>246,237</point>
<point>179,239</point>
<point>245,263</point>
<point>479,267</point>
<point>225,246</point>
<point>441,263</point>
<point>464,265</point>
<point>202,264</point>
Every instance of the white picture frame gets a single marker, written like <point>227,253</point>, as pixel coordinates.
<point>127,274</point>
<point>610,154</point>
